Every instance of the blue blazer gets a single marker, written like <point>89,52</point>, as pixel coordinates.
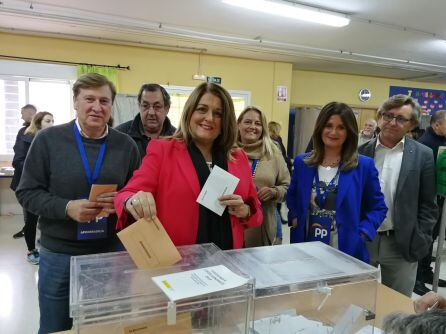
<point>360,206</point>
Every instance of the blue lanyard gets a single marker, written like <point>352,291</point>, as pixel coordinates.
<point>253,166</point>
<point>80,145</point>
<point>321,199</point>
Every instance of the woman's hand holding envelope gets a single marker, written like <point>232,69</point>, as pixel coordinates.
<point>236,206</point>
<point>141,205</point>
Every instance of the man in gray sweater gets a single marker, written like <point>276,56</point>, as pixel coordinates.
<point>63,163</point>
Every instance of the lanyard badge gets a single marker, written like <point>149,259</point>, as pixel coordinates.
<point>91,179</point>
<point>319,227</point>
<point>95,229</point>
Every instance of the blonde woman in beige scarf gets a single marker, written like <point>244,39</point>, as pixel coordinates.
<point>269,171</point>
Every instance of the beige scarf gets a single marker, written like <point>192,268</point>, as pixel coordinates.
<point>254,150</point>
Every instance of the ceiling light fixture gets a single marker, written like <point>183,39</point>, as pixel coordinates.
<point>295,11</point>
<point>199,75</point>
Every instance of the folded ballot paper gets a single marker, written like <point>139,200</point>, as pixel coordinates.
<point>148,244</point>
<point>218,183</point>
<point>192,283</point>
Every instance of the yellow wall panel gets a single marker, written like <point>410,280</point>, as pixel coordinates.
<point>318,88</point>
<point>164,67</point>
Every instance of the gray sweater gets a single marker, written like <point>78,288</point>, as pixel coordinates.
<point>53,174</point>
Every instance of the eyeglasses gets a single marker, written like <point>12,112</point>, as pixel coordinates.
<point>388,117</point>
<point>155,107</point>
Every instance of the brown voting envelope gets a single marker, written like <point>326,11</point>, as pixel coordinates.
<point>157,325</point>
<point>99,189</point>
<point>149,244</point>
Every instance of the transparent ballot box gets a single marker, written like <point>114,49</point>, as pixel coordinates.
<point>108,294</point>
<point>309,288</point>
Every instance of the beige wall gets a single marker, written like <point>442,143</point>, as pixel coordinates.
<point>261,78</point>
<point>318,88</point>
<point>165,67</point>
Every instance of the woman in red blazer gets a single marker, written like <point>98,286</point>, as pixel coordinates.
<point>174,170</point>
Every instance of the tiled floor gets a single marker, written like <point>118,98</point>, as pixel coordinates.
<point>19,309</point>
<point>19,312</point>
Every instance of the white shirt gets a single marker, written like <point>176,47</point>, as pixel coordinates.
<point>82,133</point>
<point>388,162</point>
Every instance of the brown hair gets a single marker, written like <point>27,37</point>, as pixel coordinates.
<point>36,122</point>
<point>226,140</point>
<point>349,155</point>
<point>93,80</point>
<point>265,138</point>
<point>397,101</point>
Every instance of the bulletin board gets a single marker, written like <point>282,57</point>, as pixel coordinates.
<point>430,100</point>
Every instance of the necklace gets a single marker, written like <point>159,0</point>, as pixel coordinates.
<point>330,164</point>
<point>209,163</point>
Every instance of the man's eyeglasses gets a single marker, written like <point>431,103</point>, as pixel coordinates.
<point>388,117</point>
<point>155,107</point>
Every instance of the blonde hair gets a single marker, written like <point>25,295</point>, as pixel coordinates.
<point>274,128</point>
<point>267,142</point>
<point>226,140</point>
<point>36,122</point>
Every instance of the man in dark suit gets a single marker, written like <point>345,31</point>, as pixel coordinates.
<point>151,121</point>
<point>433,137</point>
<point>407,177</point>
<point>28,111</point>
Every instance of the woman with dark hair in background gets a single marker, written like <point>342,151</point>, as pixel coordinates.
<point>334,195</point>
<point>174,171</point>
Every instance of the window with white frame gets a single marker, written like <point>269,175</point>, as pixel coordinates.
<point>46,86</point>
<point>126,106</point>
<point>180,94</point>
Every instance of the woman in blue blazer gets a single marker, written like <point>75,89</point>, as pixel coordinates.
<point>335,196</point>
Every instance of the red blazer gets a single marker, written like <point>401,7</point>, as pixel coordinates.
<point>168,173</point>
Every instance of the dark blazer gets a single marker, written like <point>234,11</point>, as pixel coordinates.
<point>415,208</point>
<point>21,147</point>
<point>360,206</point>
<point>132,128</point>
<point>432,140</point>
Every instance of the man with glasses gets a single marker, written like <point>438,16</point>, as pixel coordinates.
<point>152,120</point>
<point>407,177</point>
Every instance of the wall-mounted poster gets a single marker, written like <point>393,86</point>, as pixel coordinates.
<point>282,93</point>
<point>430,100</point>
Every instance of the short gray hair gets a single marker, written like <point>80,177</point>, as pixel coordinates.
<point>439,116</point>
<point>397,101</point>
<point>430,322</point>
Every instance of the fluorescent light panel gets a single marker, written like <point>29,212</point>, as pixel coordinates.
<point>297,12</point>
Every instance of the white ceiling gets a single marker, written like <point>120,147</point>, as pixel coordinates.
<point>402,39</point>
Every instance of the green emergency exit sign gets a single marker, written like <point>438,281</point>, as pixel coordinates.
<point>216,80</point>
